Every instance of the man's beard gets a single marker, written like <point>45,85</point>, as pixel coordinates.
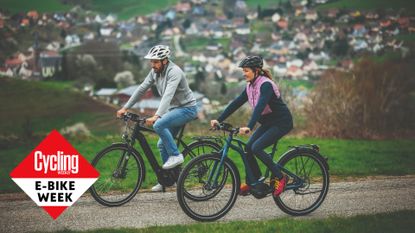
<point>159,71</point>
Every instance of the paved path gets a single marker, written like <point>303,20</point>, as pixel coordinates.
<point>150,209</point>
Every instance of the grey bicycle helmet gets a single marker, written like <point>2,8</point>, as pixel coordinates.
<point>158,52</point>
<point>252,62</point>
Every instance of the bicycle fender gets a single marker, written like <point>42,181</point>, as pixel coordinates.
<point>308,150</point>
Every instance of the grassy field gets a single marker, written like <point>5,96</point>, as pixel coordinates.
<point>398,222</point>
<point>297,83</point>
<point>261,27</point>
<point>15,6</point>
<point>126,9</point>
<point>347,158</point>
<point>263,3</point>
<point>42,106</point>
<point>406,38</point>
<point>200,43</point>
<point>370,4</point>
<point>39,107</point>
<point>30,110</point>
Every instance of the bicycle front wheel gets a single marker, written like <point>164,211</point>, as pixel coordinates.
<point>121,175</point>
<point>308,188</point>
<point>204,176</point>
<point>195,149</point>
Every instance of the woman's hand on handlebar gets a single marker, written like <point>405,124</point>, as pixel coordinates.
<point>121,112</point>
<point>214,123</point>
<point>244,131</point>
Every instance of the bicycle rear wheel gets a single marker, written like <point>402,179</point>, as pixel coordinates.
<point>121,175</point>
<point>200,147</point>
<point>196,180</point>
<point>303,196</point>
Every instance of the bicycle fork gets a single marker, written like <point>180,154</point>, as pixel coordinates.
<point>212,181</point>
<point>121,169</point>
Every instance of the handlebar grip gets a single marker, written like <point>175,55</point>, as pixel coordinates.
<point>131,116</point>
<point>125,116</point>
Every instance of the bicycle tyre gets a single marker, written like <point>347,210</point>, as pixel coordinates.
<point>186,202</point>
<point>199,147</point>
<point>113,191</point>
<point>317,177</point>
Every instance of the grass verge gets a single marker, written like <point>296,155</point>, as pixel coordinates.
<point>369,5</point>
<point>398,222</point>
<point>347,158</point>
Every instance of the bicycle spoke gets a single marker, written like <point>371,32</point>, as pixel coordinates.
<point>304,197</point>
<point>116,185</point>
<point>303,165</point>
<point>207,198</point>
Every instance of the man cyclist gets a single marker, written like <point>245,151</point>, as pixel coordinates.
<point>177,105</point>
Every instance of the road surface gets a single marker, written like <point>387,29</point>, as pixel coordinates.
<point>151,209</point>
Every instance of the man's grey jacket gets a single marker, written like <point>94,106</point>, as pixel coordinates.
<point>171,85</point>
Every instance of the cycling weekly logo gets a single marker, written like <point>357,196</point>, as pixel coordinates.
<point>54,175</point>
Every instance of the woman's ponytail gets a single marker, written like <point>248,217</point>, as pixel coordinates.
<point>266,73</point>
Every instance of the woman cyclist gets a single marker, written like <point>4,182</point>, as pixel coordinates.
<point>269,110</point>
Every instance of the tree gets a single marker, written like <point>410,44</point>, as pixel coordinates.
<point>371,101</point>
<point>340,47</point>
<point>63,33</point>
<point>186,24</point>
<point>94,63</point>
<point>228,8</point>
<point>199,78</point>
<point>124,79</point>
<point>258,9</point>
<point>223,89</point>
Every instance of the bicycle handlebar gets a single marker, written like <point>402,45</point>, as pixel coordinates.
<point>226,127</point>
<point>133,117</point>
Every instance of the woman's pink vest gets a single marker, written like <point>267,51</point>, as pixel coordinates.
<point>253,90</point>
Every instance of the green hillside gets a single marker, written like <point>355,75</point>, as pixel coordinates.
<point>15,6</point>
<point>125,9</point>
<point>370,4</point>
<point>39,107</point>
<point>263,3</point>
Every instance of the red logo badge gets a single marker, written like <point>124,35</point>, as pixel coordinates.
<point>54,175</point>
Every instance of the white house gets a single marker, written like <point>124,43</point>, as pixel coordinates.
<point>72,40</point>
<point>106,94</point>
<point>8,72</point>
<point>243,30</point>
<point>106,31</point>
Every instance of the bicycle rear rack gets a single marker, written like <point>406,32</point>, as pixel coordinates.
<point>310,146</point>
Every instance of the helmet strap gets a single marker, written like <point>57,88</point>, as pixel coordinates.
<point>163,65</point>
<point>257,72</point>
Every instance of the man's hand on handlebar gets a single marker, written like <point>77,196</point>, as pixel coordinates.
<point>151,120</point>
<point>121,112</point>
